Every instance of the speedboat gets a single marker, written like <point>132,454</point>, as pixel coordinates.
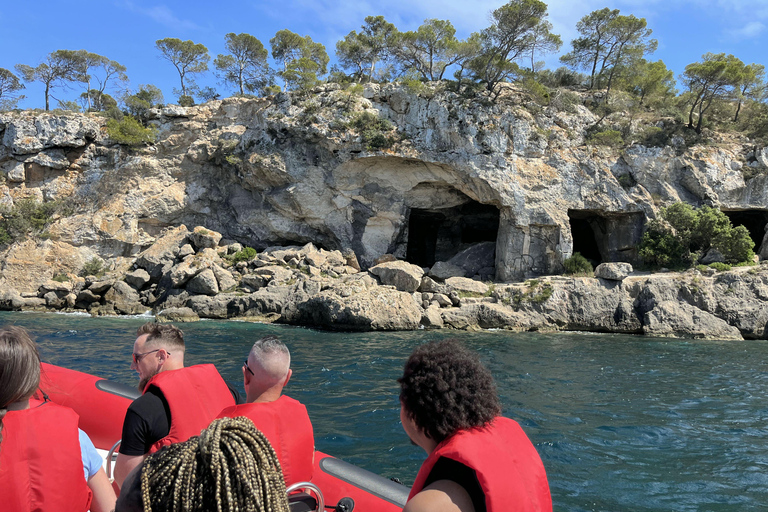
<point>101,405</point>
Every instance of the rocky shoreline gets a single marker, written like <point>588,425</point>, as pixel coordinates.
<point>187,275</point>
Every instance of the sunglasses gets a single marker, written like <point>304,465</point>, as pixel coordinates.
<point>137,357</point>
<point>245,363</point>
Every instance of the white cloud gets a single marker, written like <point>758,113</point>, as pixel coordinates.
<point>163,15</point>
<point>749,31</point>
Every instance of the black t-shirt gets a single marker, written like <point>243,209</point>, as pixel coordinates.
<point>449,469</point>
<point>148,420</point>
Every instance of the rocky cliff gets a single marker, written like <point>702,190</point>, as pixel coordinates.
<point>425,177</point>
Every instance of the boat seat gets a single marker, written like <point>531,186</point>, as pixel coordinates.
<point>302,502</point>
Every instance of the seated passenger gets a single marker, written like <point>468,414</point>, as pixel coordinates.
<point>229,466</point>
<point>283,420</point>
<point>478,461</point>
<point>178,402</point>
<point>46,462</point>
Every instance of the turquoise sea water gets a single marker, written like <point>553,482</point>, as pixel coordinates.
<point>622,423</point>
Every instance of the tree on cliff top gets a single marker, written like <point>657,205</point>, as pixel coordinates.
<point>303,60</point>
<point>9,84</point>
<point>509,37</point>
<point>362,51</point>
<point>102,70</point>
<point>60,67</point>
<point>716,76</point>
<point>609,44</point>
<point>187,57</point>
<point>245,67</point>
<point>429,50</point>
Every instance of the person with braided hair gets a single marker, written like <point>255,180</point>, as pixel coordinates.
<point>229,467</point>
<point>478,460</point>
<point>46,462</point>
<point>283,420</point>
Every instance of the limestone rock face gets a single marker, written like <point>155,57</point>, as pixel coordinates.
<point>256,173</point>
<point>402,275</point>
<point>671,318</point>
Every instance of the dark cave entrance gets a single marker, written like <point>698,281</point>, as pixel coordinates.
<point>601,236</point>
<point>754,220</point>
<point>439,234</point>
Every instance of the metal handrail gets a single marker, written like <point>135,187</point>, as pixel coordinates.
<point>311,487</point>
<point>109,460</point>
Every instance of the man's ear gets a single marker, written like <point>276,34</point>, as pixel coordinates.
<point>288,377</point>
<point>246,376</point>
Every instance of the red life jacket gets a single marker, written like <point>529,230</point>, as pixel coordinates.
<point>195,395</point>
<point>508,467</point>
<point>41,468</point>
<point>286,425</point>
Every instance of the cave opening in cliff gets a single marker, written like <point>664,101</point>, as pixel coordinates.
<point>754,220</point>
<point>439,234</point>
<point>606,236</point>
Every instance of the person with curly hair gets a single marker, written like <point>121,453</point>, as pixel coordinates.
<point>478,460</point>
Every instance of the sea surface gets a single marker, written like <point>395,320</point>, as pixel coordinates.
<point>622,423</point>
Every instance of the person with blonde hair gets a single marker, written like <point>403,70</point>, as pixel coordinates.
<point>46,462</point>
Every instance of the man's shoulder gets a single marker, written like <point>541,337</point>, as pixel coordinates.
<point>149,402</point>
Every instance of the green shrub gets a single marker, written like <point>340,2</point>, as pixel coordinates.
<point>29,217</point>
<point>129,132</point>
<point>653,136</point>
<point>565,101</point>
<point>539,92</point>
<point>186,100</point>
<point>94,267</point>
<point>372,130</point>
<point>244,254</point>
<point>577,264</point>
<point>60,278</point>
<point>610,138</point>
<point>719,266</point>
<point>685,233</point>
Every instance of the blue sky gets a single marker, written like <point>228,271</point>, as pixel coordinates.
<point>126,30</point>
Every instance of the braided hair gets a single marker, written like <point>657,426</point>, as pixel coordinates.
<point>230,467</point>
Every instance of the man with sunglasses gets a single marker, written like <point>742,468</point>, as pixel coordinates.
<point>282,419</point>
<point>177,401</point>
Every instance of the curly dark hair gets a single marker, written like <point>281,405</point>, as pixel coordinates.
<point>445,388</point>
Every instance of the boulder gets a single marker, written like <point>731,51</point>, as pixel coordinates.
<point>138,278</point>
<point>712,256</point>
<point>274,273</point>
<point>203,283</point>
<point>52,300</point>
<point>762,156</point>
<point>374,309</point>
<point>224,278</point>
<point>186,250</point>
<point>679,319</point>
<point>99,287</point>
<point>177,315</point>
<point>429,285</point>
<point>463,284</point>
<point>431,318</point>
<point>613,271</point>
<point>476,257</point>
<point>255,281</point>
<point>10,299</point>
<point>404,276</point>
<point>88,297</point>
<point>186,270</point>
<point>443,270</point>
<point>160,256</point>
<point>442,300</point>
<point>124,299</point>
<point>14,171</point>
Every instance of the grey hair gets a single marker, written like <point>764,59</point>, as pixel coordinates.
<point>269,345</point>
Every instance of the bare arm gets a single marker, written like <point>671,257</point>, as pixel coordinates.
<point>103,494</point>
<point>124,464</point>
<point>441,496</point>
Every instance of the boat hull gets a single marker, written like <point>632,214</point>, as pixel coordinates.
<point>101,405</point>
